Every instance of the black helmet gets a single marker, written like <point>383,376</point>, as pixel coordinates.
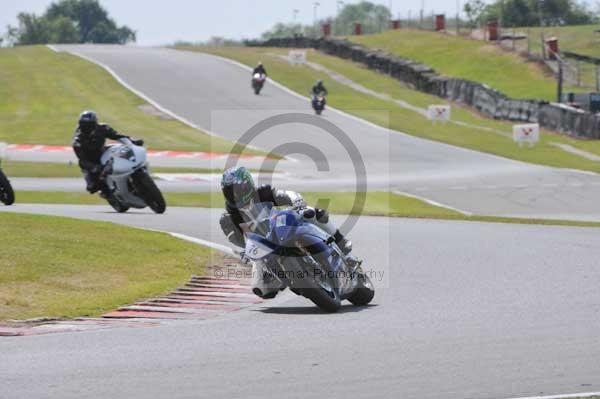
<point>88,120</point>
<point>238,187</point>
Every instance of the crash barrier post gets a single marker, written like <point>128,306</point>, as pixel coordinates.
<point>492,28</point>
<point>395,24</point>
<point>358,29</point>
<point>440,22</point>
<point>484,99</point>
<point>326,29</point>
<point>553,50</point>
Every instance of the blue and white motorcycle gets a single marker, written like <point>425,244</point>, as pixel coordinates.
<point>287,250</point>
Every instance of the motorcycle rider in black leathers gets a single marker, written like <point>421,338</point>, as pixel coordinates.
<point>89,143</point>
<point>319,88</point>
<point>260,69</point>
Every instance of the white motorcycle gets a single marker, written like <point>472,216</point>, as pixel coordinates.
<point>125,172</point>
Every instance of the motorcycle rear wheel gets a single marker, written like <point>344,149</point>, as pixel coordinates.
<point>149,192</point>
<point>7,195</point>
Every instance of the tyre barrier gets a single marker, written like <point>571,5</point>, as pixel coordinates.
<point>490,102</point>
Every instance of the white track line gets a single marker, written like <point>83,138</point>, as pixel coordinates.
<point>432,202</point>
<point>566,396</point>
<point>199,241</point>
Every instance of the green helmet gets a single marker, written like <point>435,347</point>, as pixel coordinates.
<point>238,187</point>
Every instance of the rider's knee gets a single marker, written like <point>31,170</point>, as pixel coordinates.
<point>322,215</point>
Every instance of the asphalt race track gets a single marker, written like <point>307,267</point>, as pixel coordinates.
<point>214,94</point>
<point>465,310</point>
<point>462,310</point>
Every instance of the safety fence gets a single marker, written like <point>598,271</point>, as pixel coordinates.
<point>564,119</point>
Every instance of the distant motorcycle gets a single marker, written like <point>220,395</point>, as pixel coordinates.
<point>318,103</point>
<point>125,171</point>
<point>258,81</point>
<point>7,195</point>
<point>286,250</point>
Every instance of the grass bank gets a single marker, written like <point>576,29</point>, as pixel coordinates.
<point>43,92</point>
<point>389,114</point>
<point>60,267</point>
<point>461,57</point>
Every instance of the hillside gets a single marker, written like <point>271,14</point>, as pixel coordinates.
<point>468,59</point>
<point>43,92</point>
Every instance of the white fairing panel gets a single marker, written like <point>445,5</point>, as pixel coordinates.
<point>256,251</point>
<point>125,159</point>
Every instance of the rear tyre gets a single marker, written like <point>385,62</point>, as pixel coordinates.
<point>7,195</point>
<point>149,192</point>
<point>364,293</point>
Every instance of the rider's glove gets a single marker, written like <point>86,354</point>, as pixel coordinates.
<point>138,142</point>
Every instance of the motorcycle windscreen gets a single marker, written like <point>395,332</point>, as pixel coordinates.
<point>283,226</point>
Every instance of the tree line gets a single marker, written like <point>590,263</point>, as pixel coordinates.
<point>521,13</point>
<point>372,17</point>
<point>69,21</point>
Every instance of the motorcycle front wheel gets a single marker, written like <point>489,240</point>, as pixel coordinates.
<point>149,192</point>
<point>7,195</point>
<point>364,293</point>
<point>321,292</point>
<point>116,205</point>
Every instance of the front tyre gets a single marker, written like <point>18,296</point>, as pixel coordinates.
<point>323,294</point>
<point>7,195</point>
<point>149,192</point>
<point>364,292</point>
<point>116,204</point>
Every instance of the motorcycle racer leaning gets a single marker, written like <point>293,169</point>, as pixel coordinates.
<point>241,194</point>
<point>89,143</point>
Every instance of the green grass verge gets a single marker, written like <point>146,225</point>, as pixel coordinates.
<point>389,114</point>
<point>465,58</point>
<point>60,267</point>
<point>43,92</point>
<point>376,204</point>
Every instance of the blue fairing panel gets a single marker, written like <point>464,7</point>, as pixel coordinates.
<point>261,239</point>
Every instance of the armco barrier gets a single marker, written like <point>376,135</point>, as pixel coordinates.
<point>423,78</point>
